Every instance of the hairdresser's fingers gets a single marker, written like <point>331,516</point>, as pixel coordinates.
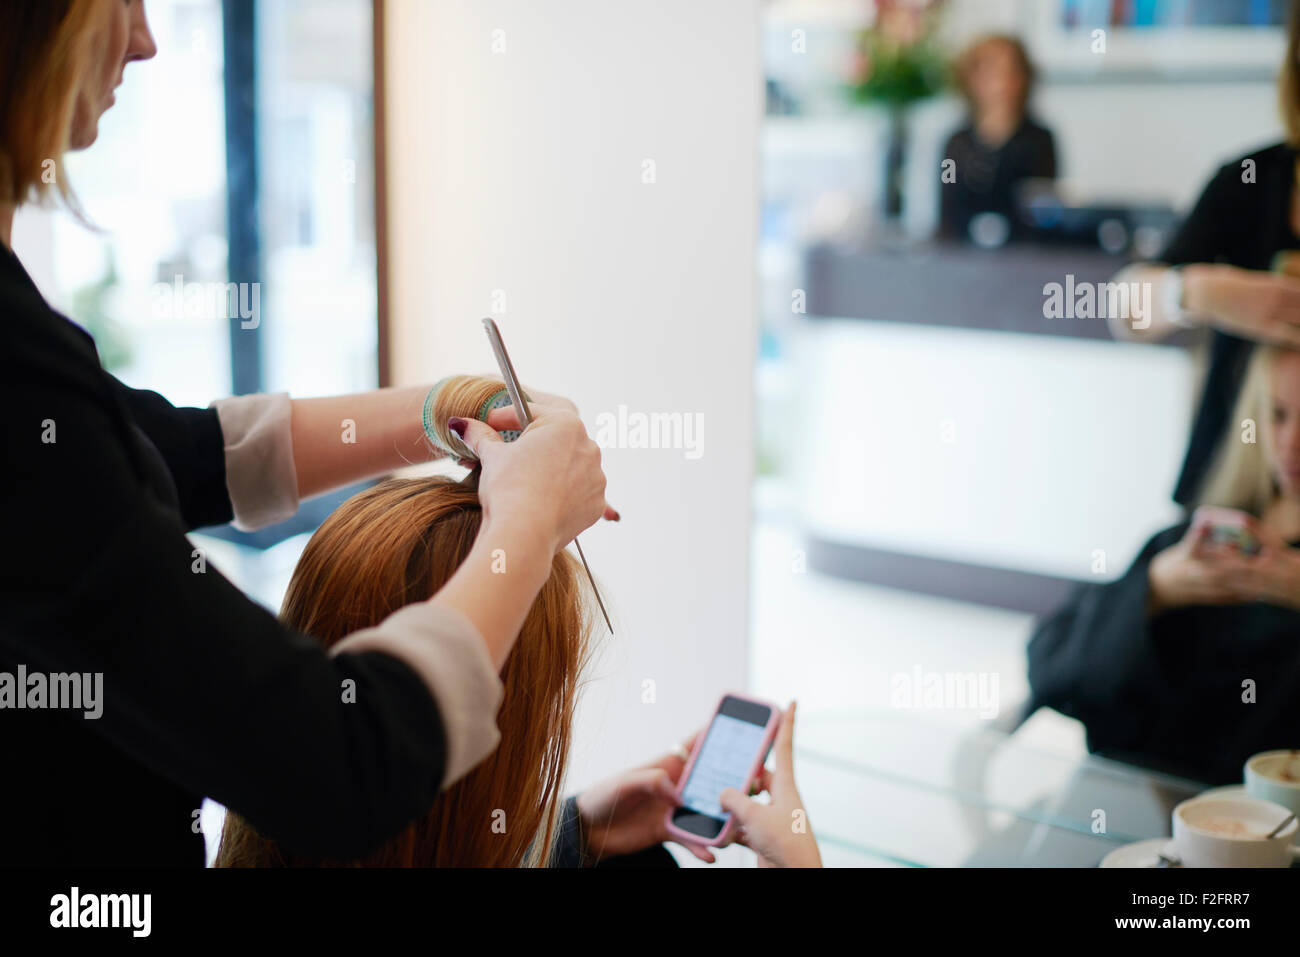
<point>538,398</point>
<point>1284,333</point>
<point>550,398</point>
<point>506,418</point>
<point>475,434</point>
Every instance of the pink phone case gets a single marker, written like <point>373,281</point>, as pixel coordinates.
<point>1228,526</point>
<point>769,735</point>
<point>1217,515</point>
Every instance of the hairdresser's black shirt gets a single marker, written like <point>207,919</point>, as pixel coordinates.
<point>204,691</point>
<point>1194,691</point>
<point>1241,223</point>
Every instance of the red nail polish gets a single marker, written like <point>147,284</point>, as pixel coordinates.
<point>458,426</point>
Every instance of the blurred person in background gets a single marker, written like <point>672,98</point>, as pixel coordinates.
<point>1001,146</point>
<point>1190,662</point>
<point>1229,269</point>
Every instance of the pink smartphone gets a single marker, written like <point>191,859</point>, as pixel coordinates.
<point>1228,527</point>
<point>730,753</point>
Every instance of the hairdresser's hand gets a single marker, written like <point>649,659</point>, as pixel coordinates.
<point>506,419</point>
<point>550,475</point>
<point>627,813</point>
<point>1196,571</point>
<point>778,832</point>
<point>1262,306</point>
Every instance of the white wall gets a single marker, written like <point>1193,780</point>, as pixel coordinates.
<point>522,172</point>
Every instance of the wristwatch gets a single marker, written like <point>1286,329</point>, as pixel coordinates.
<point>1171,299</point>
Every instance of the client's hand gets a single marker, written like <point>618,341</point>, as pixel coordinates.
<point>779,832</point>
<point>627,812</point>
<point>1195,571</point>
<point>1272,576</point>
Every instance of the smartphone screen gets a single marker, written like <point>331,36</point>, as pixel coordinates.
<point>725,759</point>
<point>1234,536</point>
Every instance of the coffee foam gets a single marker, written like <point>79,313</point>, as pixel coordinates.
<point>1228,827</point>
<point>1280,767</point>
<point>1244,820</point>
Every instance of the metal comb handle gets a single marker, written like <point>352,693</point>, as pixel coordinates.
<point>525,419</point>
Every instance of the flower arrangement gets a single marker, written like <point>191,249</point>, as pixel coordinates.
<point>898,59</point>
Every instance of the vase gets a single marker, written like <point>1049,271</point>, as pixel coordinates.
<point>895,162</point>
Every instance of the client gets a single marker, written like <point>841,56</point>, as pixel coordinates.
<point>398,542</point>
<point>382,549</point>
<point>1190,662</point>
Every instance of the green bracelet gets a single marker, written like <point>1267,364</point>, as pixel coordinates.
<point>497,400</point>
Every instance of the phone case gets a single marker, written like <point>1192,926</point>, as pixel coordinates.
<point>1227,526</point>
<point>769,735</point>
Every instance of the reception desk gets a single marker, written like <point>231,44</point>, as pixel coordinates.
<point>975,449</point>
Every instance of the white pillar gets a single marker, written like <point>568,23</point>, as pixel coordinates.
<point>593,166</point>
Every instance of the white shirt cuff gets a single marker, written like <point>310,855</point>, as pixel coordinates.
<point>444,648</point>
<point>260,474</point>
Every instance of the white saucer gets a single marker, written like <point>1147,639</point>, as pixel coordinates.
<point>1139,853</point>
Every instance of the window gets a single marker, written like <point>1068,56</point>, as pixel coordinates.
<point>233,185</point>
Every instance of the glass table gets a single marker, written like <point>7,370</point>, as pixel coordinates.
<point>897,788</point>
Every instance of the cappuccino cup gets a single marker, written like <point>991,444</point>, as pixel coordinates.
<point>1275,776</point>
<point>1233,832</point>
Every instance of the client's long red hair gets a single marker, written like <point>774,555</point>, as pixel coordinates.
<point>395,544</point>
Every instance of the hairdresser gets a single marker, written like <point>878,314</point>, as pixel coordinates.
<point>1227,270</point>
<point>204,692</point>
